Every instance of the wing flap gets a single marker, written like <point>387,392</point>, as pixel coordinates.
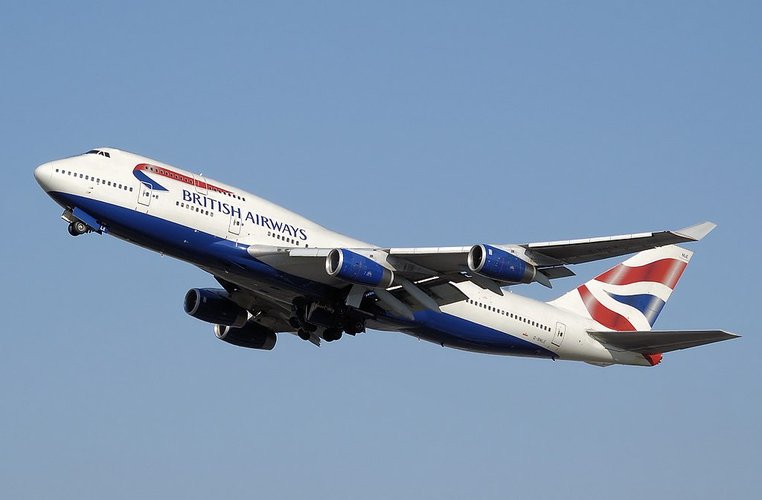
<point>444,260</point>
<point>657,342</point>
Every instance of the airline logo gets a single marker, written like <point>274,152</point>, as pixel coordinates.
<point>142,170</point>
<point>631,295</point>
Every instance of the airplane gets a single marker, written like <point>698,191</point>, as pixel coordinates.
<point>282,273</point>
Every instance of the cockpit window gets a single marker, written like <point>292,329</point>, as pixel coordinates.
<point>99,152</point>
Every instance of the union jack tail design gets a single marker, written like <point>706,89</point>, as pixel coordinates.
<point>631,295</point>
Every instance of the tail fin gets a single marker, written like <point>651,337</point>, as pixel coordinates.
<point>631,295</point>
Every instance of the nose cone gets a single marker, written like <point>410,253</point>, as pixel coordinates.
<point>42,174</point>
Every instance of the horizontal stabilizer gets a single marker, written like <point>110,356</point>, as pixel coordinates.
<point>656,342</point>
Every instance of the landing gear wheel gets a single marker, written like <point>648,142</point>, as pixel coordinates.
<point>354,328</point>
<point>331,334</point>
<point>303,335</point>
<point>77,227</point>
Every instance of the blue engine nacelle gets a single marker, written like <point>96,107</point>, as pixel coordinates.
<point>251,335</point>
<point>214,306</point>
<point>500,265</point>
<point>358,269</point>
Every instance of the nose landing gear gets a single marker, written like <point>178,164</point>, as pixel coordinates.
<point>78,227</point>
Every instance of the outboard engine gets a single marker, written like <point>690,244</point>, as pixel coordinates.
<point>500,265</point>
<point>213,305</point>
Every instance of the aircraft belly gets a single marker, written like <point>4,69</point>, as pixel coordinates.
<point>453,331</point>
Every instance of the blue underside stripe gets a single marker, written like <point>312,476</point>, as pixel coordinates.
<point>207,250</point>
<point>454,331</point>
<point>184,243</point>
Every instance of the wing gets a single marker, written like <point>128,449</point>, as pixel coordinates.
<point>657,342</point>
<point>587,250</point>
<point>426,267</point>
<point>551,258</point>
<point>555,254</point>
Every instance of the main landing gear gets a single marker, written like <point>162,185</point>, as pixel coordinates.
<point>78,227</point>
<point>307,317</point>
<point>331,334</point>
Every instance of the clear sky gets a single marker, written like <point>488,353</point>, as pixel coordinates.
<point>404,124</point>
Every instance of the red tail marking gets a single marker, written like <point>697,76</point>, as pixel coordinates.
<point>665,271</point>
<point>603,314</point>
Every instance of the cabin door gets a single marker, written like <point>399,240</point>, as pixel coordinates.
<point>200,183</point>
<point>145,193</point>
<point>559,336</point>
<point>235,223</point>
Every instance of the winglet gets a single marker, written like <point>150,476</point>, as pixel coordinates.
<point>697,231</point>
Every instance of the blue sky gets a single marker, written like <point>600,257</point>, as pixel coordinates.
<point>400,123</point>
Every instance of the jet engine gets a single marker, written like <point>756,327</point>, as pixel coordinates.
<point>358,269</point>
<point>213,306</point>
<point>251,335</point>
<point>500,265</point>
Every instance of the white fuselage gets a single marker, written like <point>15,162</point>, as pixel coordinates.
<point>190,216</point>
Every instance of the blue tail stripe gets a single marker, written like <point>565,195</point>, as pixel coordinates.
<point>649,305</point>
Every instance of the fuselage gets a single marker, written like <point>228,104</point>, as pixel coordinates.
<point>218,227</point>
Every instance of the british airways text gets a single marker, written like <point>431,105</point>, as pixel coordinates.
<point>228,209</point>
